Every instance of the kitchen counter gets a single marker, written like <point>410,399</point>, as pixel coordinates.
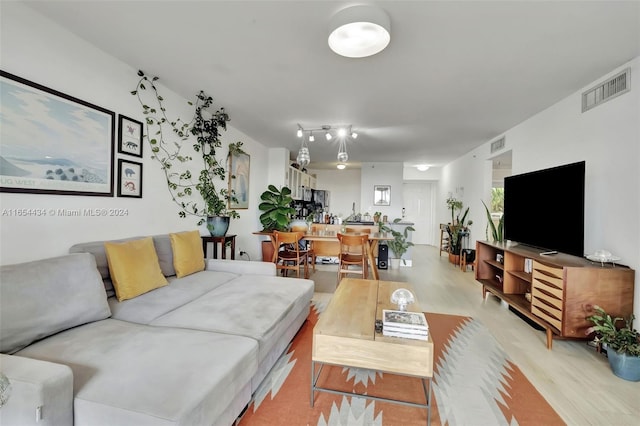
<point>331,248</point>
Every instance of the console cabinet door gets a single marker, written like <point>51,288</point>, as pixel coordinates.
<point>547,294</point>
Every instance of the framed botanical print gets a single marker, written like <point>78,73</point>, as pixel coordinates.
<point>239,180</point>
<point>129,136</point>
<point>129,178</point>
<point>53,143</point>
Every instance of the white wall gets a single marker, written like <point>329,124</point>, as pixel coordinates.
<point>344,188</point>
<point>606,137</point>
<point>382,174</point>
<point>39,50</point>
<point>356,185</point>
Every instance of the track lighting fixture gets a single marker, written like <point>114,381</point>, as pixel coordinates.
<point>341,132</point>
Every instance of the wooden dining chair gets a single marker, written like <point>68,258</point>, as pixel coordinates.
<point>308,245</point>
<point>353,253</point>
<point>288,255</point>
<point>356,230</point>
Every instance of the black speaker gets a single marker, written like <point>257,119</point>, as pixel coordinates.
<point>383,256</point>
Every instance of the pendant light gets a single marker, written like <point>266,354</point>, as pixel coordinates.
<point>303,155</point>
<point>343,157</point>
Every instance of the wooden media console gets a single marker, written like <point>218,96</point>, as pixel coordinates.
<point>560,290</point>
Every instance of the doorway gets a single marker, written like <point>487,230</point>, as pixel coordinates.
<point>501,168</point>
<point>419,208</point>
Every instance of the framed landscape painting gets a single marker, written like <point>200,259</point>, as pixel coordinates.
<point>239,180</point>
<point>53,143</point>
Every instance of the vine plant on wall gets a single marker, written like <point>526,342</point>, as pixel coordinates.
<point>168,137</point>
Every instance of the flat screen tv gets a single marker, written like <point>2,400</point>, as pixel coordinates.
<point>545,208</point>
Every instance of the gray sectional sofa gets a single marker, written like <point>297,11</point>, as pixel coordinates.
<point>189,353</point>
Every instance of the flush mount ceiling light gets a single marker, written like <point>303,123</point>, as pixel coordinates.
<point>359,31</point>
<point>341,166</point>
<point>422,167</point>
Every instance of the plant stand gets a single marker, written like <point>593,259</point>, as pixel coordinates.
<point>267,251</point>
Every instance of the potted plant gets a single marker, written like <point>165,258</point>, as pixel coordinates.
<point>457,228</point>
<point>497,232</point>
<point>213,208</point>
<point>399,245</point>
<point>276,214</point>
<point>622,343</point>
<point>376,218</point>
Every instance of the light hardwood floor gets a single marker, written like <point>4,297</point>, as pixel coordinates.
<point>573,377</point>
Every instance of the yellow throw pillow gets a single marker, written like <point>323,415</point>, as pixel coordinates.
<point>188,256</point>
<point>134,267</point>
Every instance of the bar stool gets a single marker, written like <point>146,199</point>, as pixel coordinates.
<point>467,258</point>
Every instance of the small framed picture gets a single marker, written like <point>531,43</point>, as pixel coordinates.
<point>382,195</point>
<point>129,136</point>
<point>129,179</point>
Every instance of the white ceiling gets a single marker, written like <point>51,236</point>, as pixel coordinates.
<point>455,75</point>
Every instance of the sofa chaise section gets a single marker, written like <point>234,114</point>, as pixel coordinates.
<point>131,374</point>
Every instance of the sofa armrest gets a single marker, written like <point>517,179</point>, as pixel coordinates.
<point>242,267</point>
<point>41,392</point>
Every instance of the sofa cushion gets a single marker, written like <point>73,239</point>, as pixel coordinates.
<point>165,254</point>
<point>132,374</point>
<point>180,291</point>
<point>255,306</point>
<point>44,297</point>
<point>134,267</point>
<point>188,255</point>
<point>96,248</point>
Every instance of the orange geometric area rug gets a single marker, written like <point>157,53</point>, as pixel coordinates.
<point>474,383</point>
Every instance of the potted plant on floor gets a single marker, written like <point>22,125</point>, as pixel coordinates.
<point>276,214</point>
<point>399,245</point>
<point>496,231</point>
<point>167,149</point>
<point>622,343</point>
<point>457,228</point>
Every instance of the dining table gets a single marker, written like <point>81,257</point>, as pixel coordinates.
<point>332,236</point>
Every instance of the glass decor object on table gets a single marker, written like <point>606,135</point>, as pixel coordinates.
<point>402,297</point>
<point>603,256</point>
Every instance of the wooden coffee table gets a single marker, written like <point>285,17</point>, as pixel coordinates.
<point>345,336</point>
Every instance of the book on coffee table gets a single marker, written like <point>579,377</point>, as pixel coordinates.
<point>404,320</point>
<point>416,336</point>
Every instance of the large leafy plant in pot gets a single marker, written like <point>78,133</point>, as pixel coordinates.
<point>497,232</point>
<point>458,225</point>
<point>399,245</point>
<point>622,343</point>
<point>276,209</point>
<point>168,137</point>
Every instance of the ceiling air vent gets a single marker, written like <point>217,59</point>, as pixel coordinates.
<point>497,145</point>
<point>608,90</point>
